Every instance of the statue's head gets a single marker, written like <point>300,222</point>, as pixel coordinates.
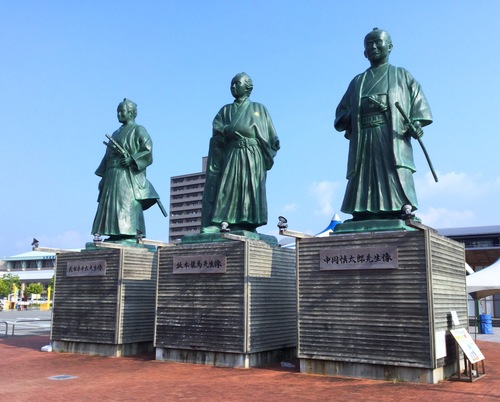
<point>127,110</point>
<point>131,106</point>
<point>245,80</point>
<point>378,46</point>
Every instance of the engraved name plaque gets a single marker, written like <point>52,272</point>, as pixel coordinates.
<point>200,264</point>
<point>359,258</point>
<point>86,268</point>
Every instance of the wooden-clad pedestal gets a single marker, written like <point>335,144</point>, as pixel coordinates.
<point>229,303</point>
<point>363,317</point>
<point>104,301</point>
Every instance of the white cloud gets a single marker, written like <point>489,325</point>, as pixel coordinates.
<point>453,184</point>
<point>441,218</point>
<point>459,199</point>
<point>292,207</point>
<point>324,193</point>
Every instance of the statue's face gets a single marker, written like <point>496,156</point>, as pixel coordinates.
<point>238,87</point>
<point>123,113</point>
<point>377,46</point>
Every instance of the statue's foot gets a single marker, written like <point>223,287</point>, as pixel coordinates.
<point>210,229</point>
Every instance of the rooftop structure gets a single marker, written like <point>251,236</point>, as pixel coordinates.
<point>482,243</point>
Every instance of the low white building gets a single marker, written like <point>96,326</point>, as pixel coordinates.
<point>31,267</point>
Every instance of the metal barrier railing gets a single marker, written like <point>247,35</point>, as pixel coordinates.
<point>21,321</point>
<point>6,326</point>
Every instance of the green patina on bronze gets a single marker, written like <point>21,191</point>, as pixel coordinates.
<point>242,150</point>
<point>380,163</point>
<point>124,191</point>
<point>220,237</point>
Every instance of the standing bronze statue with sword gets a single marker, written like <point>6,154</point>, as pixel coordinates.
<point>382,110</point>
<point>124,190</point>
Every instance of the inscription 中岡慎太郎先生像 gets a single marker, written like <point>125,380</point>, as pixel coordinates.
<point>359,258</point>
<point>199,264</point>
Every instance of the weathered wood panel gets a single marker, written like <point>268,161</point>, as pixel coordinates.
<point>381,316</point>
<point>85,308</point>
<point>116,308</point>
<point>272,298</point>
<point>250,308</point>
<point>449,290</point>
<point>365,316</point>
<point>201,311</point>
<point>138,296</point>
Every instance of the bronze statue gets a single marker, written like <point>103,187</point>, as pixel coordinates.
<point>242,150</point>
<point>124,191</point>
<point>380,164</point>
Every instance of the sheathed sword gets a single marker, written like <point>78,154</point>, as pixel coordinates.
<point>162,208</point>
<point>116,146</point>
<point>410,123</point>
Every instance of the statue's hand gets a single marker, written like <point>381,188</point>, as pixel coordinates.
<point>126,162</point>
<point>415,130</point>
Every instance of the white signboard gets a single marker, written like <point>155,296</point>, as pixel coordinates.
<point>454,317</point>
<point>467,344</point>
<point>440,344</point>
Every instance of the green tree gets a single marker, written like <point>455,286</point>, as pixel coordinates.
<point>4,288</point>
<point>10,280</point>
<point>34,289</point>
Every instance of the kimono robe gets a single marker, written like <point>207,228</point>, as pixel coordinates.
<point>124,192</point>
<point>242,150</point>
<point>380,161</point>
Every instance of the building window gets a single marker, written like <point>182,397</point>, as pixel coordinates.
<point>48,263</point>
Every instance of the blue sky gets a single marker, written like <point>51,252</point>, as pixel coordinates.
<point>67,64</point>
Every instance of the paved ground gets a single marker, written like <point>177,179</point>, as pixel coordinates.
<point>26,372</point>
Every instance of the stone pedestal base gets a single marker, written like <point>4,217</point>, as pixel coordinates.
<point>104,301</point>
<point>114,350</point>
<point>378,305</point>
<point>222,359</point>
<point>229,303</point>
<point>376,371</point>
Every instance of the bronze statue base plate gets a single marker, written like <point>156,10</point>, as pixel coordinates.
<point>373,225</point>
<point>218,237</point>
<point>118,244</point>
